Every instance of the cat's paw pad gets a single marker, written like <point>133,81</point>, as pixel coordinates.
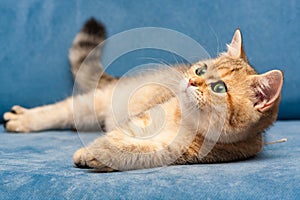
<point>16,120</point>
<point>83,158</point>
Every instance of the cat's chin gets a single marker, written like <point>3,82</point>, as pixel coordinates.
<point>187,94</point>
<point>183,85</point>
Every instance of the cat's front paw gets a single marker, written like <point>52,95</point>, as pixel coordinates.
<point>17,120</point>
<point>83,158</point>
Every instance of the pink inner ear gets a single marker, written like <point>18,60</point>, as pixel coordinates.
<point>267,89</point>
<point>234,49</point>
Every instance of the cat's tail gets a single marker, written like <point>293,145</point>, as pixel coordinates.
<point>85,56</point>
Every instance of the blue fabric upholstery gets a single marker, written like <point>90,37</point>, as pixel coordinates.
<point>35,37</point>
<point>39,166</point>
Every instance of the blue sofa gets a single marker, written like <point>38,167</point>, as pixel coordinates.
<point>35,37</point>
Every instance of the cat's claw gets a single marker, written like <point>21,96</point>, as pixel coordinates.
<point>16,120</point>
<point>83,158</point>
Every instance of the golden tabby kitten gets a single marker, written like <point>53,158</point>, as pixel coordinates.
<point>212,111</point>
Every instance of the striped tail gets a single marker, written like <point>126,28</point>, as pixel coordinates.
<point>85,56</point>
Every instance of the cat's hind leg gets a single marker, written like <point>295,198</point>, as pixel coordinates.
<point>82,112</point>
<point>52,116</point>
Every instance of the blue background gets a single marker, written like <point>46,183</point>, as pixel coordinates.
<point>35,37</point>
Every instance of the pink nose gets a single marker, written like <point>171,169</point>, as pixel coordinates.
<point>191,82</point>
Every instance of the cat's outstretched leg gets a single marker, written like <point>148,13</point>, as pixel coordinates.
<point>20,119</point>
<point>82,112</point>
<point>116,152</point>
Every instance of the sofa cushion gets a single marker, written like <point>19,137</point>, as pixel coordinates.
<point>39,166</point>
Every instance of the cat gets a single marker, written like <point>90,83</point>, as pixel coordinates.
<point>214,110</point>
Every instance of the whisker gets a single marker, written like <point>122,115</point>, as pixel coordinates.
<point>158,60</point>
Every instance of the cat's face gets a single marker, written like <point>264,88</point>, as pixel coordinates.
<point>229,98</point>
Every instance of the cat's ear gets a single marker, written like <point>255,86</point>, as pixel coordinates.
<point>267,88</point>
<point>235,49</point>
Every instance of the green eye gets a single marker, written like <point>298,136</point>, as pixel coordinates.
<point>219,87</point>
<point>201,70</point>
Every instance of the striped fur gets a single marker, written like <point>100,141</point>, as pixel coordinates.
<point>85,56</point>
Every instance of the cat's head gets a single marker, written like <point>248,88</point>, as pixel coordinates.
<point>231,99</point>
